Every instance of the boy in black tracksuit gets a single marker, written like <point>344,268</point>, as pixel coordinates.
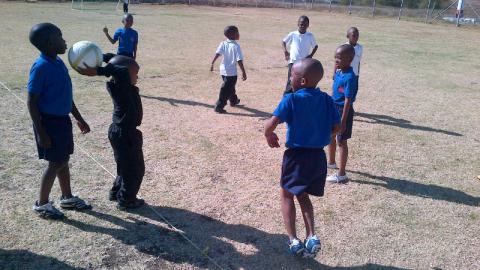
<point>125,138</point>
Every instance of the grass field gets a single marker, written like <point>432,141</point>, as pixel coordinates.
<point>412,201</point>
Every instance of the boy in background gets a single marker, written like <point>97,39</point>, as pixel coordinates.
<point>127,37</point>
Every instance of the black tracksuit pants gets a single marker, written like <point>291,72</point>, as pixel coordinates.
<point>227,92</point>
<point>288,87</point>
<point>127,150</point>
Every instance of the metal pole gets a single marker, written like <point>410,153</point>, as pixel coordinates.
<point>330,6</point>
<point>428,8</point>
<point>311,6</point>
<point>350,7</point>
<point>373,8</point>
<point>293,3</point>
<point>400,12</point>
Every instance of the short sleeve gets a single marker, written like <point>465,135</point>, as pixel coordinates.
<point>136,37</point>
<point>239,54</point>
<point>288,38</point>
<point>313,42</point>
<point>36,80</point>
<point>350,88</point>
<point>220,49</point>
<point>360,52</point>
<point>117,33</point>
<point>284,109</point>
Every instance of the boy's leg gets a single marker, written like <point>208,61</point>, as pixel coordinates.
<point>114,138</point>
<point>224,94</point>
<point>332,148</point>
<point>125,7</point>
<point>343,155</point>
<point>233,98</point>
<point>46,184</point>
<point>63,174</point>
<point>307,213</point>
<point>288,87</point>
<point>288,213</point>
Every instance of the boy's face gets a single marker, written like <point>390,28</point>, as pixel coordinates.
<point>353,36</point>
<point>57,43</point>
<point>302,25</point>
<point>342,59</point>
<point>128,22</point>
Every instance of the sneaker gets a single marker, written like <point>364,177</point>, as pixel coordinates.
<point>220,110</point>
<point>74,203</point>
<point>112,196</point>
<point>335,178</point>
<point>233,104</point>
<point>123,206</point>
<point>295,247</point>
<point>312,247</point>
<point>48,211</point>
<point>332,166</point>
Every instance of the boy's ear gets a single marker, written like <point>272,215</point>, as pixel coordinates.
<point>303,81</point>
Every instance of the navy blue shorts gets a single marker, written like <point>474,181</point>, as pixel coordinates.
<point>347,134</point>
<point>59,129</point>
<point>304,170</point>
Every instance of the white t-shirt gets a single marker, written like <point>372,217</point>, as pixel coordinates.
<point>301,45</point>
<point>358,57</point>
<point>231,55</point>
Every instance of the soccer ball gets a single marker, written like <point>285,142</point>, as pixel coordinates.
<point>85,52</point>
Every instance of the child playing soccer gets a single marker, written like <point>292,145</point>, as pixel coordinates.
<point>311,119</point>
<point>127,37</point>
<point>232,54</point>
<point>302,45</point>
<point>345,86</point>
<point>125,138</point>
<point>50,101</point>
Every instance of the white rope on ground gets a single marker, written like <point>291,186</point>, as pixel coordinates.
<point>178,231</point>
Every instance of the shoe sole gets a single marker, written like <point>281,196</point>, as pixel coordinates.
<point>73,207</point>
<point>49,216</point>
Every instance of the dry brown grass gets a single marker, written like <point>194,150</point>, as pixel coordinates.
<point>412,202</point>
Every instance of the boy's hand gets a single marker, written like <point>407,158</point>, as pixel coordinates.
<point>244,76</point>
<point>84,127</point>
<point>105,30</point>
<point>272,140</point>
<point>44,140</point>
<point>287,55</point>
<point>87,71</point>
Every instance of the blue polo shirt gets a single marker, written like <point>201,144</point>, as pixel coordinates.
<point>50,79</point>
<point>345,85</point>
<point>310,115</point>
<point>126,37</point>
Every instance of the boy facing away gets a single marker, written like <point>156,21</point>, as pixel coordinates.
<point>50,101</point>
<point>302,45</point>
<point>311,119</point>
<point>345,87</point>
<point>232,54</point>
<point>125,138</point>
<point>127,37</point>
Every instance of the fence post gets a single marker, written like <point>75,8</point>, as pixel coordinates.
<point>400,12</point>
<point>311,6</point>
<point>373,8</point>
<point>428,8</point>
<point>330,6</point>
<point>350,7</point>
<point>293,3</point>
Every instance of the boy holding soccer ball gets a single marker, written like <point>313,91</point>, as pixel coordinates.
<point>50,101</point>
<point>125,138</point>
<point>127,37</point>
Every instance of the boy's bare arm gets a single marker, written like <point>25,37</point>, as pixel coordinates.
<point>270,125</point>
<point>84,127</point>
<point>285,51</point>
<point>105,30</point>
<point>43,138</point>
<point>336,128</point>
<point>346,109</point>
<point>135,50</point>
<point>213,61</point>
<point>244,74</point>
<point>313,52</point>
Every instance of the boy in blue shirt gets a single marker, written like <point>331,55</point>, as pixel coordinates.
<point>311,119</point>
<point>127,37</point>
<point>50,101</point>
<point>345,87</point>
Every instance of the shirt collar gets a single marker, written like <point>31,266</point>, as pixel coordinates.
<point>303,90</point>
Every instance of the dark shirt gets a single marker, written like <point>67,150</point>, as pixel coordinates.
<point>127,105</point>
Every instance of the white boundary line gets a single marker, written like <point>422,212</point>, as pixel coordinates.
<point>180,232</point>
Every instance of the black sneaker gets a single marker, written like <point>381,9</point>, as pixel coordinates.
<point>220,110</point>
<point>123,206</point>
<point>74,203</point>
<point>47,211</point>
<point>233,104</point>
<point>112,196</point>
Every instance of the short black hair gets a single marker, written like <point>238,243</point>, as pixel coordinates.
<point>353,29</point>
<point>347,48</point>
<point>230,30</point>
<point>305,18</point>
<point>126,16</point>
<point>41,33</point>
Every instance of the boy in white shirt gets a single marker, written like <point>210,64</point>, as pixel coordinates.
<point>302,45</point>
<point>232,54</point>
<point>353,35</point>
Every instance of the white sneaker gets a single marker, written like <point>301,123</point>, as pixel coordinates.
<point>332,166</point>
<point>335,178</point>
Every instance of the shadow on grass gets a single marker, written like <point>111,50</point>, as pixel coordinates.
<point>421,190</point>
<point>398,122</point>
<point>174,102</point>
<point>26,260</point>
<point>254,249</point>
